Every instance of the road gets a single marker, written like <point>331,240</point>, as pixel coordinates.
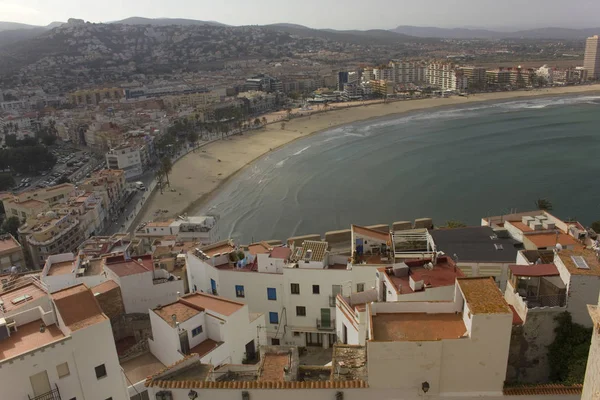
<point>133,205</point>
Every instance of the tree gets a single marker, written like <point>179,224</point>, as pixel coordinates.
<point>568,353</point>
<point>454,224</point>
<point>257,122</point>
<point>193,137</point>
<point>543,204</point>
<point>264,120</point>
<point>6,182</point>
<point>159,179</point>
<point>596,226</point>
<point>282,125</point>
<point>11,225</point>
<point>288,112</point>
<point>166,166</point>
<point>63,179</point>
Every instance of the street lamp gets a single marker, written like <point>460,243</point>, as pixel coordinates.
<point>425,387</point>
<point>193,395</point>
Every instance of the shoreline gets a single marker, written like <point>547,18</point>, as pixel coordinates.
<point>212,166</point>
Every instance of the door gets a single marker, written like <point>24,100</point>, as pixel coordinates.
<point>250,350</point>
<point>184,342</point>
<point>40,383</point>
<point>314,339</point>
<point>344,334</point>
<point>325,318</point>
<point>213,286</point>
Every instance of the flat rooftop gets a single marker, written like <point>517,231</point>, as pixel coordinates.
<point>16,298</point>
<point>205,347</point>
<point>273,367</point>
<point>483,296</point>
<point>444,273</point>
<point>588,256</point>
<point>216,304</point>
<point>60,268</point>
<point>194,372</point>
<point>349,362</point>
<point>550,239</point>
<point>396,327</point>
<point>224,248</point>
<point>182,312</point>
<point>27,338</point>
<point>140,367</point>
<point>8,244</point>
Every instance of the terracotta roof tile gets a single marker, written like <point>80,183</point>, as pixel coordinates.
<point>167,384</point>
<point>543,390</point>
<point>78,307</point>
<point>217,304</point>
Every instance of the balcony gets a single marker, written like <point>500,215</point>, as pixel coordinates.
<point>326,324</point>
<point>54,394</point>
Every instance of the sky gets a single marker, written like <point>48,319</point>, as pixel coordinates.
<point>335,14</point>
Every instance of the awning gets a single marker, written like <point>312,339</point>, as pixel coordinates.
<point>534,270</point>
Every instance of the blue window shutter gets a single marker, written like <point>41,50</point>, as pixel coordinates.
<point>273,317</point>
<point>271,294</point>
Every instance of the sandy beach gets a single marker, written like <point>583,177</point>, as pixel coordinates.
<point>196,176</point>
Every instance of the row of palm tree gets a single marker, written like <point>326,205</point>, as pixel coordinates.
<point>165,168</point>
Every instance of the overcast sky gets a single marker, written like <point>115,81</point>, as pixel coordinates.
<point>337,14</point>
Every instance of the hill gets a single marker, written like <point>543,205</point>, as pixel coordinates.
<point>465,33</point>
<point>165,22</point>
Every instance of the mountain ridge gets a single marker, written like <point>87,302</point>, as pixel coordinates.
<point>470,33</point>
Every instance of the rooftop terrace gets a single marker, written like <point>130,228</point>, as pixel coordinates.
<point>140,367</point>
<point>394,327</point>
<point>27,338</point>
<point>60,268</point>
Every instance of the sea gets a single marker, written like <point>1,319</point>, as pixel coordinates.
<point>460,163</point>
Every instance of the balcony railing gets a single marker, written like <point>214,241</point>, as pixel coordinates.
<point>54,394</point>
<point>326,324</point>
<point>552,300</point>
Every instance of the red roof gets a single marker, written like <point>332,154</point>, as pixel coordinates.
<point>534,270</point>
<point>124,267</point>
<point>281,252</point>
<point>444,273</point>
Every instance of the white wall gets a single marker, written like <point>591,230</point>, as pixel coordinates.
<point>165,342</point>
<point>591,385</point>
<point>270,265</point>
<point>412,393</point>
<point>140,294</point>
<point>583,290</point>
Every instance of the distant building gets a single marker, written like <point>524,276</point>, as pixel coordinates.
<point>11,253</point>
<point>126,158</point>
<point>342,79</point>
<point>476,76</point>
<point>95,96</point>
<point>591,60</point>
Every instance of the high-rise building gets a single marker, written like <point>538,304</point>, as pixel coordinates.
<point>591,61</point>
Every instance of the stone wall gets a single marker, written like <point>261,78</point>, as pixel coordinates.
<point>528,353</point>
<point>111,302</point>
<point>136,325</point>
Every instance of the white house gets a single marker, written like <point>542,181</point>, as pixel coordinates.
<point>126,158</point>
<point>57,346</point>
<point>217,329</point>
<point>201,229</point>
<point>65,270</point>
<point>143,287</point>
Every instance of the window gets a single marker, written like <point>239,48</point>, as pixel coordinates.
<point>275,342</point>
<point>239,291</point>
<point>100,371</point>
<point>62,370</point>
<point>360,287</point>
<point>271,294</point>
<point>110,398</point>
<point>196,331</point>
<point>273,317</point>
<point>316,289</point>
<point>301,311</point>
<point>295,288</point>
<point>296,334</point>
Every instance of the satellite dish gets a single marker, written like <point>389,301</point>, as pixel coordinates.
<point>558,247</point>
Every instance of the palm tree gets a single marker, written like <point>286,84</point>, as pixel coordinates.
<point>282,125</point>
<point>257,122</point>
<point>166,167</point>
<point>159,179</point>
<point>264,120</point>
<point>543,204</point>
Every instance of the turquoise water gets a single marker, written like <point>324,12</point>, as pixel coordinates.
<point>460,163</point>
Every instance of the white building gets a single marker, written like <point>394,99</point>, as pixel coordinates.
<point>217,329</point>
<point>126,158</point>
<point>142,286</point>
<point>201,229</point>
<point>57,347</point>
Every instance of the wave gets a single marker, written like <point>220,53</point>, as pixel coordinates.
<point>301,151</point>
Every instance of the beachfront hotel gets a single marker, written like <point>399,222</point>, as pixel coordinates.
<point>591,60</point>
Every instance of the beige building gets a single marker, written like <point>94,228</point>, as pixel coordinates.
<point>591,60</point>
<point>11,253</point>
<point>95,96</point>
<point>30,203</point>
<point>50,234</point>
<point>110,185</point>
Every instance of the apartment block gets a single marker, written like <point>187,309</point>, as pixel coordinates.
<point>110,185</point>
<point>201,229</point>
<point>591,60</point>
<point>127,158</point>
<point>57,346</point>
<point>30,203</point>
<point>11,254</point>
<point>95,96</point>
<point>476,76</point>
